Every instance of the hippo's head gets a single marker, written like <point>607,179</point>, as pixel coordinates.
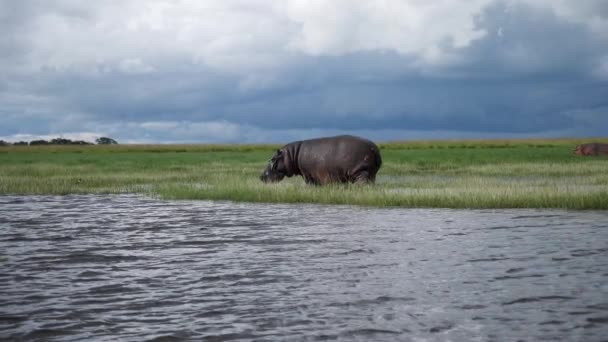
<point>578,150</point>
<point>276,169</point>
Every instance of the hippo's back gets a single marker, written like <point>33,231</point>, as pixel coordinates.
<point>592,149</point>
<point>343,158</point>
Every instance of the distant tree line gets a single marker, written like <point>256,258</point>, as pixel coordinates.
<point>60,141</point>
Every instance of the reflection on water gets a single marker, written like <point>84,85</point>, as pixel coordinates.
<point>133,269</point>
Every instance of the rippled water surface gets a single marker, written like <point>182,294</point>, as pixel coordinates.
<point>132,269</point>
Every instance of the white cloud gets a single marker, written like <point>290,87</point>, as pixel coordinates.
<point>237,35</point>
<point>219,131</point>
<point>84,136</point>
<point>418,28</point>
<point>230,35</point>
<point>159,125</point>
<point>134,66</point>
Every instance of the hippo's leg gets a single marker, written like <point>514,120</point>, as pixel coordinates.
<point>308,179</point>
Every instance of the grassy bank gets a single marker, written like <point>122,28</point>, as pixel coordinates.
<point>454,174</point>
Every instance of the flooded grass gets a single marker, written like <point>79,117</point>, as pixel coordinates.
<point>449,174</point>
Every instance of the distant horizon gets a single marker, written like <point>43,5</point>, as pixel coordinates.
<point>92,142</point>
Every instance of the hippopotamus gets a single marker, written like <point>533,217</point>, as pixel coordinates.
<point>592,149</point>
<point>339,159</point>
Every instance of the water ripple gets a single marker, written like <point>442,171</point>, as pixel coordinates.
<point>132,268</point>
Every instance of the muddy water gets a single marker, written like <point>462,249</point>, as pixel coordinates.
<point>106,268</point>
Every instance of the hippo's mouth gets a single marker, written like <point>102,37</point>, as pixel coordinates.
<point>267,177</point>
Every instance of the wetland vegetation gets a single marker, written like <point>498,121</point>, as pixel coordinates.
<point>450,174</point>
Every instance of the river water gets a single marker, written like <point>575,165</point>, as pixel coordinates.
<point>131,268</point>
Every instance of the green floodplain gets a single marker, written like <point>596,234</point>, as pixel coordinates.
<point>530,173</point>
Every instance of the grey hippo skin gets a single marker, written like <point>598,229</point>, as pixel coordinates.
<point>592,149</point>
<point>341,159</point>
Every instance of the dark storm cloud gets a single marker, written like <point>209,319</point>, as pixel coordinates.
<point>531,72</point>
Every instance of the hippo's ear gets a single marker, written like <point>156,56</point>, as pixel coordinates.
<point>273,160</point>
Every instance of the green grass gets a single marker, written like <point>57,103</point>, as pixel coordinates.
<point>451,174</point>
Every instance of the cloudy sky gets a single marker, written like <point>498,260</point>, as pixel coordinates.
<point>278,70</point>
